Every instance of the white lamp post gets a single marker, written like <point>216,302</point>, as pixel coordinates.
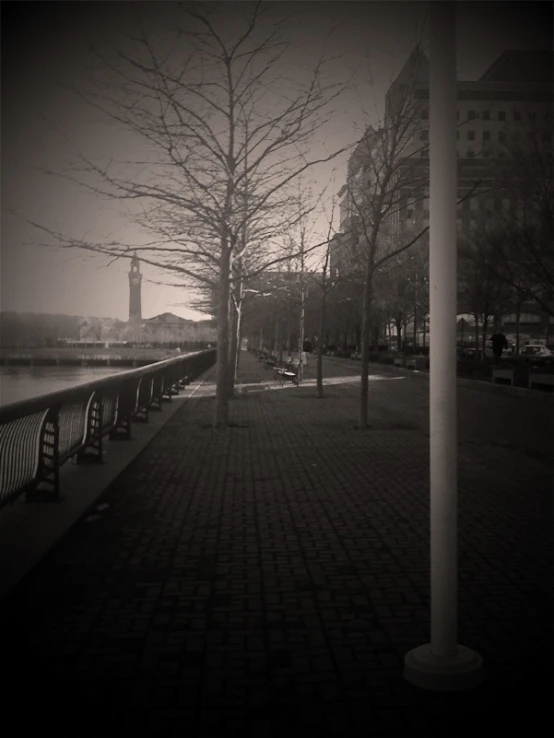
<point>442,664</point>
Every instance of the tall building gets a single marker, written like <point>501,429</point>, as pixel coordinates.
<point>135,310</point>
<point>507,110</point>
<point>509,105</point>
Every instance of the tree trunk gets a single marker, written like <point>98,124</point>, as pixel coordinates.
<point>484,336</point>
<point>301,334</point>
<point>398,324</point>
<point>238,339</point>
<point>322,321</point>
<point>518,328</point>
<point>289,330</point>
<point>233,320</point>
<point>477,345</point>
<point>221,413</point>
<point>366,337</point>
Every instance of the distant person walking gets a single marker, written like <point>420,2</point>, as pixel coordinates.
<point>306,349</point>
<point>499,343</point>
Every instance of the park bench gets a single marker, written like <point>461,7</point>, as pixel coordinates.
<point>288,371</point>
<point>399,362</point>
<point>541,380</point>
<point>416,363</point>
<point>272,359</point>
<point>503,375</point>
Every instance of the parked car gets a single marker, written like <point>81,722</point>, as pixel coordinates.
<point>537,353</point>
<point>533,353</point>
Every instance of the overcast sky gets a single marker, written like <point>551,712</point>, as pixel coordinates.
<point>45,50</point>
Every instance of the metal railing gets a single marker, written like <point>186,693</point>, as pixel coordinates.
<point>38,435</point>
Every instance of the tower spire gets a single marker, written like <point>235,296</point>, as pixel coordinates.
<point>135,311</point>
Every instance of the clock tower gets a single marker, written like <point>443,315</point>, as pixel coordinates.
<point>135,314</point>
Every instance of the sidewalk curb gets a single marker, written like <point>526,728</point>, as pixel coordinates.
<point>475,384</point>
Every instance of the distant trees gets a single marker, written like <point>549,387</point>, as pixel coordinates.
<point>480,285</point>
<point>402,290</point>
<point>18,330</point>
<point>384,185</point>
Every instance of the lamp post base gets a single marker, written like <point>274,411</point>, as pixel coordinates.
<point>464,670</point>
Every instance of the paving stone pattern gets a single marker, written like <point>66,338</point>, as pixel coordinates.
<point>266,579</point>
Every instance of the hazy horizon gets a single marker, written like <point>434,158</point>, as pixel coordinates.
<point>45,50</point>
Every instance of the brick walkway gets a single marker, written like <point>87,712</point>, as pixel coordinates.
<point>266,579</point>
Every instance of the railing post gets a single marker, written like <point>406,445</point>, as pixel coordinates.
<point>47,486</point>
<point>142,407</point>
<point>125,406</point>
<point>165,385</point>
<point>93,450</point>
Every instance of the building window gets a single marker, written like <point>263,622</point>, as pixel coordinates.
<point>409,214</point>
<point>501,115</point>
<point>471,135</point>
<point>517,115</point>
<point>486,114</point>
<point>502,136</point>
<point>532,116</point>
<point>546,136</point>
<point>425,214</point>
<point>424,135</point>
<point>471,114</point>
<point>424,114</point>
<point>457,115</point>
<point>486,135</point>
<point>470,153</point>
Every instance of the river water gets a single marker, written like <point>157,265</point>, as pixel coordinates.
<point>23,382</point>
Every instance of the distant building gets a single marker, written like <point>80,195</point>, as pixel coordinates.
<point>512,99</point>
<point>511,102</point>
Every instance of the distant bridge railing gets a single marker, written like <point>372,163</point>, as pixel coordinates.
<point>37,436</point>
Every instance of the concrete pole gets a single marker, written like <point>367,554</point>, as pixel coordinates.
<point>443,664</point>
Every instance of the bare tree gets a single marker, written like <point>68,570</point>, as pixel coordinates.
<point>480,286</point>
<point>387,187</point>
<point>226,132</point>
<point>385,181</point>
